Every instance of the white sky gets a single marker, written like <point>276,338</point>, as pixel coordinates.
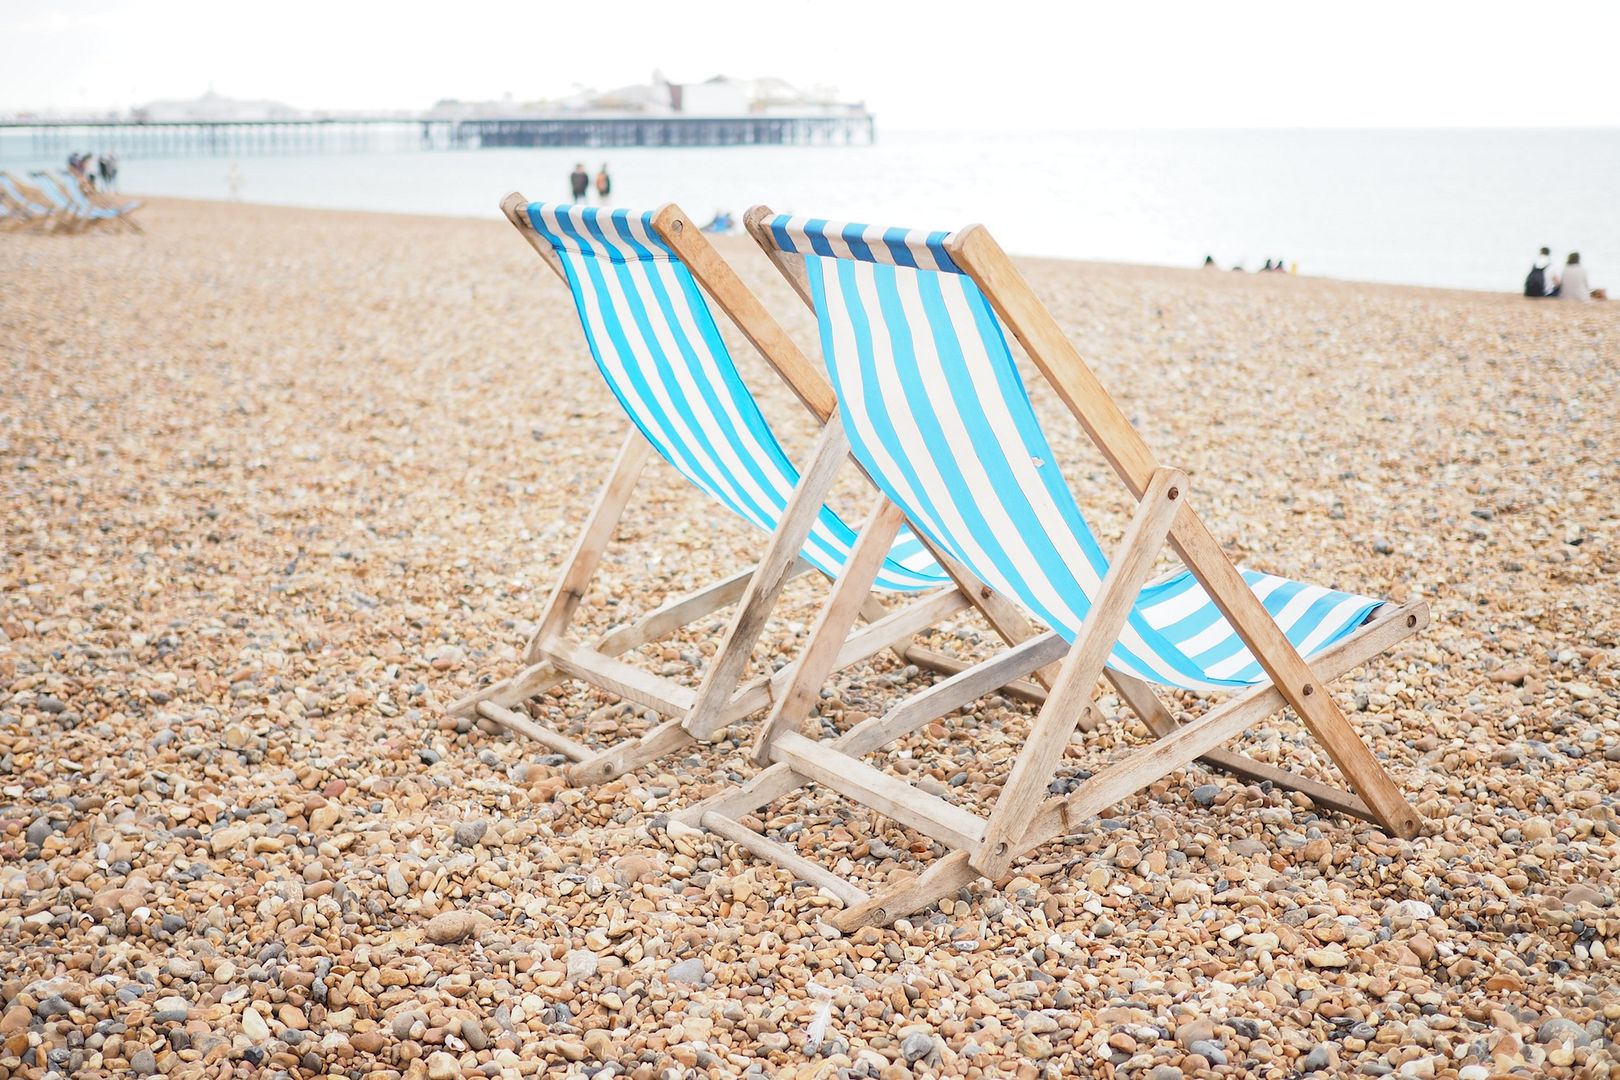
<point>940,64</point>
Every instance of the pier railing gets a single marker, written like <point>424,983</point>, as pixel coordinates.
<point>237,138</point>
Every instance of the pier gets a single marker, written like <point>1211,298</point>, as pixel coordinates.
<point>243,138</point>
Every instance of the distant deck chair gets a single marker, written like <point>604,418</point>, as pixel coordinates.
<point>635,282</point>
<point>124,208</point>
<point>32,205</point>
<point>66,192</point>
<point>936,413</point>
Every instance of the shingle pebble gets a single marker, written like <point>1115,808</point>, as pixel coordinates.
<point>282,484</point>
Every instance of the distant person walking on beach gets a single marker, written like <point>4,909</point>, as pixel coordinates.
<point>109,171</point>
<point>234,182</point>
<point>579,182</point>
<point>1573,286</point>
<point>1539,282</point>
<point>604,187</point>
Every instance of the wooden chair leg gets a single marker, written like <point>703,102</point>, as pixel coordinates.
<point>592,542</point>
<point>910,893</point>
<point>875,732</point>
<point>531,681</point>
<point>1293,677</point>
<point>1146,704</point>
<point>1071,698</point>
<point>832,627</point>
<point>772,573</point>
<point>1129,774</point>
<point>1004,616</point>
<point>665,738</point>
<point>518,722</point>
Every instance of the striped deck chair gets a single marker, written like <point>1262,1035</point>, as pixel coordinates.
<point>64,190</point>
<point>124,208</point>
<point>32,204</point>
<point>635,282</point>
<point>935,411</point>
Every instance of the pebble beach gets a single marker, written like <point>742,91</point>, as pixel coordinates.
<point>278,485</point>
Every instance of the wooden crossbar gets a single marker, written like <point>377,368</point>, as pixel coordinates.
<point>541,676</point>
<point>775,781</point>
<point>521,724</point>
<point>664,738</point>
<point>928,814</point>
<point>899,625</point>
<point>1226,721</point>
<point>617,677</point>
<point>785,857</point>
<point>923,657</point>
<point>680,612</point>
<point>1142,700</point>
<point>1161,722</point>
<point>527,683</point>
<point>888,632</point>
<point>950,694</point>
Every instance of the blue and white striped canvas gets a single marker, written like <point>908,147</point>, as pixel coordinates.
<point>68,197</point>
<point>20,199</point>
<point>937,413</point>
<point>656,343</point>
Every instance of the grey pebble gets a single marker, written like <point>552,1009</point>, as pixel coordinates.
<point>688,971</point>
<point>917,1046</point>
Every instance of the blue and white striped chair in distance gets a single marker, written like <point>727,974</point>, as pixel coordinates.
<point>913,329</point>
<point>32,206</point>
<point>96,206</point>
<point>655,343</point>
<point>68,201</point>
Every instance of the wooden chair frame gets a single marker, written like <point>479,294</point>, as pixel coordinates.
<point>54,218</point>
<point>723,697</point>
<point>17,216</point>
<point>124,208</point>
<point>90,198</point>
<point>1023,818</point>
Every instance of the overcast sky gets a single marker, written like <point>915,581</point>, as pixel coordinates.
<point>938,64</point>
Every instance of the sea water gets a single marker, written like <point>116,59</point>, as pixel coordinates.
<point>1465,209</point>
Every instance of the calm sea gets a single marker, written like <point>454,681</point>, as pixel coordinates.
<point>1453,208</point>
